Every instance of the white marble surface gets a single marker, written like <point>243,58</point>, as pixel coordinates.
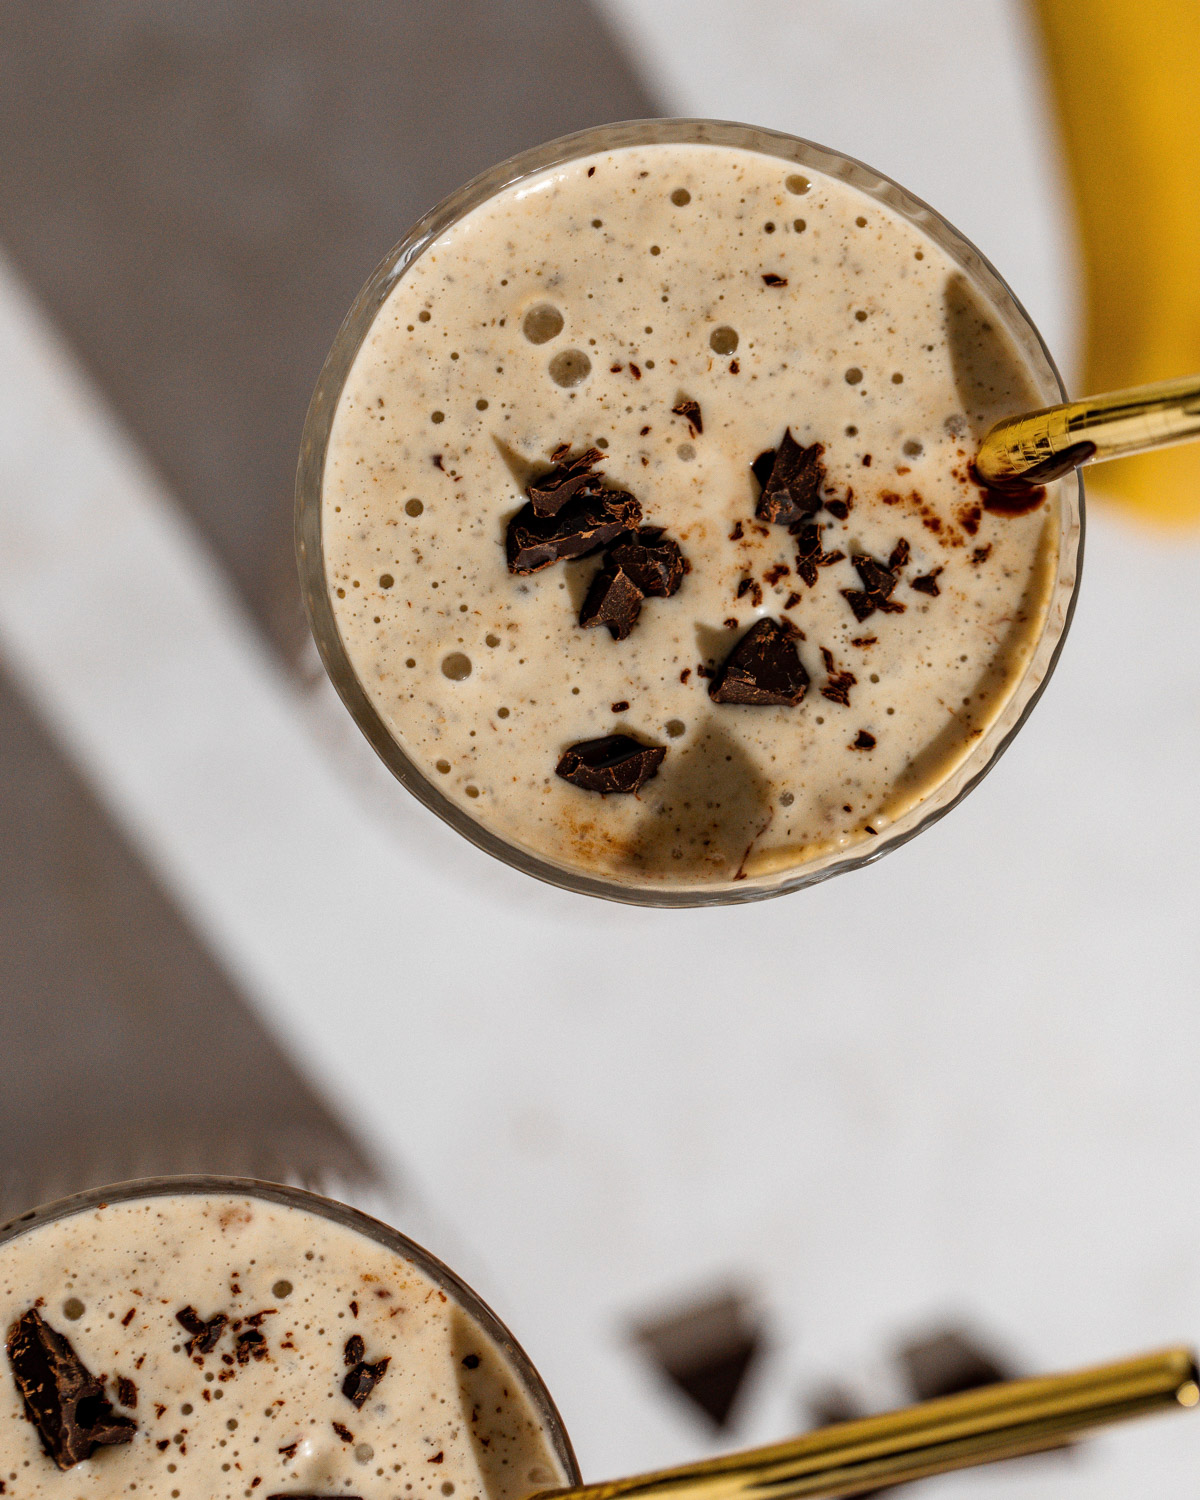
<point>958,1084</point>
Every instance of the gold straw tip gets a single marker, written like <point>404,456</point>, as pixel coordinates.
<point>1188,1393</point>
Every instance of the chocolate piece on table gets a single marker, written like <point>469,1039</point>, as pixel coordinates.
<point>363,1379</point>
<point>652,559</point>
<point>763,668</point>
<point>791,491</point>
<point>612,763</point>
<point>613,600</point>
<point>204,1333</point>
<point>585,524</point>
<point>551,491</point>
<point>63,1399</point>
<point>689,410</point>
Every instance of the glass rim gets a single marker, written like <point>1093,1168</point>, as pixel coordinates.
<point>200,1184</point>
<point>983,276</point>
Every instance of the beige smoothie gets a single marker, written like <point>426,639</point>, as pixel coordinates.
<point>238,1347</point>
<point>788,380</point>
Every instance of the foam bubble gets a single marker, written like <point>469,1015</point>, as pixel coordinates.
<point>456,666</point>
<point>542,323</point>
<point>569,368</point>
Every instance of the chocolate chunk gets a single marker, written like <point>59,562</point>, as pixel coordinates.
<point>761,468</point>
<point>573,475</point>
<point>363,1379</point>
<point>62,1398</point>
<point>613,600</point>
<point>651,559</point>
<point>752,587</point>
<point>878,580</point>
<point>772,279</point>
<point>584,525</point>
<point>126,1392</point>
<point>343,1432</point>
<point>355,1349</point>
<point>613,763</point>
<point>863,741</point>
<point>837,684</point>
<point>689,410</point>
<point>204,1334</point>
<point>838,508</point>
<point>927,584</point>
<point>621,706</point>
<point>900,555</point>
<point>790,491</point>
<point>862,604</point>
<point>250,1345</point>
<point>763,668</point>
<point>809,553</point>
<point>470,1361</point>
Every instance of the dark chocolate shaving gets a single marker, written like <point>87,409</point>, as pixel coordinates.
<point>772,279</point>
<point>689,410</point>
<point>863,741</point>
<point>901,552</point>
<point>343,1432</point>
<point>250,1345</point>
<point>585,524</point>
<point>126,1392</point>
<point>651,559</point>
<point>878,581</point>
<point>204,1334</point>
<point>613,600</point>
<point>355,1349</point>
<point>791,488</point>
<point>763,668</point>
<point>809,554</point>
<point>612,763</point>
<point>837,684</point>
<point>570,476</point>
<point>363,1379</point>
<point>62,1398</point>
<point>839,508</point>
<point>470,1361</point>
<point>927,583</point>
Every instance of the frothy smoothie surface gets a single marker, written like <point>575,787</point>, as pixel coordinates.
<point>682,310</point>
<point>259,1350</point>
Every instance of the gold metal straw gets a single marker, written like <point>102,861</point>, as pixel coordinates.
<point>955,1432</point>
<point>1043,445</point>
